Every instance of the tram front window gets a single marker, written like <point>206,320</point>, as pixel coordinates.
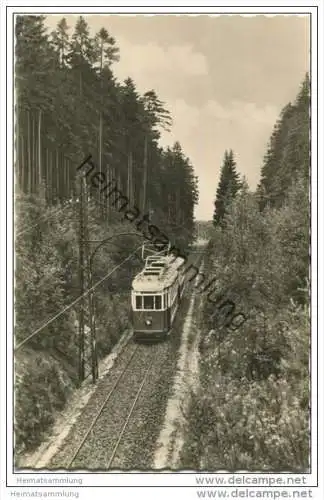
<point>152,302</point>
<point>148,302</point>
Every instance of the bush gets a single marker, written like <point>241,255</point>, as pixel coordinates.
<point>47,264</point>
<point>252,408</point>
<point>42,388</point>
<point>238,424</point>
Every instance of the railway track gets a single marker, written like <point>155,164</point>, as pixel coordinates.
<point>103,436</point>
<point>122,432</point>
<point>126,407</point>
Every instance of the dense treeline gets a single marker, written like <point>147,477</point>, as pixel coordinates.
<point>229,185</point>
<point>251,410</point>
<point>69,105</point>
<point>47,264</point>
<point>204,229</point>
<point>287,157</point>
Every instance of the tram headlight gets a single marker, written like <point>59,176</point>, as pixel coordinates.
<point>148,322</point>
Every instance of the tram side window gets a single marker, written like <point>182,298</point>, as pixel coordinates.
<point>138,302</point>
<point>148,302</point>
<point>158,302</point>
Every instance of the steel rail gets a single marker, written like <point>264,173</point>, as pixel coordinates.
<point>130,413</point>
<point>111,392</point>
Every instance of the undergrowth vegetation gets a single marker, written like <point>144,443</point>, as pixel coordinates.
<point>46,368</point>
<point>70,104</point>
<point>251,411</point>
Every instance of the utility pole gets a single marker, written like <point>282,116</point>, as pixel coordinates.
<point>91,343</point>
<point>88,359</point>
<point>100,119</point>
<point>81,280</point>
<point>144,201</point>
<point>40,179</point>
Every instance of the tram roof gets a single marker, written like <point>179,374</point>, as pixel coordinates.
<point>159,273</point>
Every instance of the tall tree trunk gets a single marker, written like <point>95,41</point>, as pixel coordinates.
<point>39,150</point>
<point>34,177</point>
<point>65,192</point>
<point>63,173</point>
<point>62,54</point>
<point>108,180</point>
<point>62,177</point>
<point>131,179</point>
<point>119,181</point>
<point>47,177</point>
<point>129,176</point>
<point>178,208</point>
<point>17,150</point>
<point>67,178</point>
<point>128,163</point>
<point>80,82</point>
<point>52,169</point>
<point>100,117</point>
<point>23,164</point>
<point>144,204</point>
<point>100,152</point>
<point>17,161</point>
<point>169,208</point>
<point>29,153</point>
<point>57,177</point>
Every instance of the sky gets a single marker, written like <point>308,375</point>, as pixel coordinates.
<point>223,78</point>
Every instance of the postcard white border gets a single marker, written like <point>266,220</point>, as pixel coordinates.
<point>168,479</point>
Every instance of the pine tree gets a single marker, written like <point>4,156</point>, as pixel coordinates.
<point>303,97</point>
<point>155,116</point>
<point>228,186</point>
<point>105,49</point>
<point>288,153</point>
<point>69,104</point>
<point>60,41</point>
<point>35,66</point>
<point>83,52</point>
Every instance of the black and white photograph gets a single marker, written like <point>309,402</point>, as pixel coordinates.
<point>164,194</point>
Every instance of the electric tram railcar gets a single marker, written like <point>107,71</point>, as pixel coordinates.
<point>156,294</point>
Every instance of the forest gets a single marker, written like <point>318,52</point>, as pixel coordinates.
<point>69,105</point>
<point>251,410</point>
<point>251,407</point>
